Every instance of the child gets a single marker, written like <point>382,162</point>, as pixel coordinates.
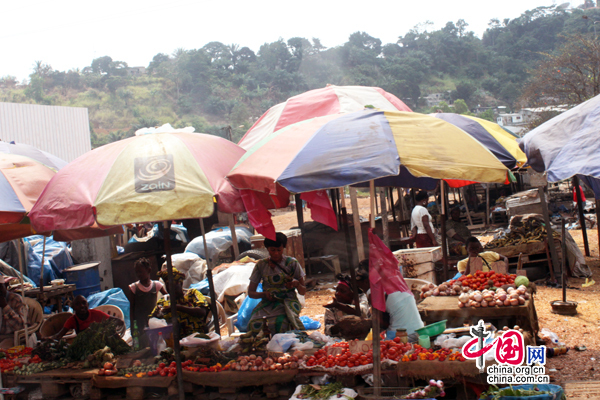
<point>341,317</point>
<point>143,296</point>
<point>481,260</point>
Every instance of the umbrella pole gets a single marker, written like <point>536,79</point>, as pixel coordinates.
<point>549,231</point>
<point>211,284</point>
<point>586,245</point>
<point>444,193</point>
<point>23,291</point>
<point>384,217</point>
<point>393,209</point>
<point>236,249</point>
<point>360,246</point>
<point>174,316</point>
<point>300,217</point>
<point>563,264</point>
<point>42,268</point>
<point>464,199</point>
<point>376,315</point>
<point>598,220</point>
<point>487,205</point>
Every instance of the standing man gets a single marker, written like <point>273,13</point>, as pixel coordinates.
<point>420,220</point>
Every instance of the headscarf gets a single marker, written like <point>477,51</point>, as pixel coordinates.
<point>178,277</point>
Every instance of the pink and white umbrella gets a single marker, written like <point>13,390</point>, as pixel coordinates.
<point>317,103</point>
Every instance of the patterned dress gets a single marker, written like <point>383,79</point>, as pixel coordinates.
<point>282,313</point>
<point>187,323</point>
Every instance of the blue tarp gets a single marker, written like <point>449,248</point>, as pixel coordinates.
<point>115,297</point>
<point>57,259</point>
<point>567,145</point>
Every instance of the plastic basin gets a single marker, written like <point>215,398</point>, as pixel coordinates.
<point>433,329</point>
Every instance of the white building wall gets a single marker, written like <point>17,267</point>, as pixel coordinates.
<point>61,131</point>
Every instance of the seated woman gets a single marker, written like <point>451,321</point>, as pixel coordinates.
<point>481,260</point>
<point>342,319</point>
<point>404,314</point>
<point>192,306</point>
<point>280,276</point>
<point>83,318</point>
<point>143,296</point>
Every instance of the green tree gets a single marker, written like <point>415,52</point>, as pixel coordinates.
<point>460,107</point>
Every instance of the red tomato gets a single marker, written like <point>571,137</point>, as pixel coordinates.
<point>163,372</point>
<point>161,365</point>
<point>173,364</point>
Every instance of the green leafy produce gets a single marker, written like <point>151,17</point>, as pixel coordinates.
<point>37,368</point>
<point>51,350</point>
<point>321,392</point>
<point>98,336</point>
<point>136,370</point>
<point>495,393</point>
<point>521,280</point>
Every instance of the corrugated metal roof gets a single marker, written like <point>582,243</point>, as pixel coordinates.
<point>62,131</point>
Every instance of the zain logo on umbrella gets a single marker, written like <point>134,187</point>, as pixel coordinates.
<point>153,174</point>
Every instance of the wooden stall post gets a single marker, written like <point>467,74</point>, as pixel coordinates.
<point>392,206</point>
<point>487,204</point>
<point>464,198</point>
<point>236,249</point>
<point>384,217</point>
<point>300,216</point>
<point>376,315</point>
<point>41,275</point>
<point>174,316</point>
<point>444,210</point>
<point>549,234</point>
<point>360,247</point>
<point>211,285</point>
<point>586,245</point>
<point>598,223</point>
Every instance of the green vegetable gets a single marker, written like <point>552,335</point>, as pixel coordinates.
<point>321,392</point>
<point>100,335</point>
<point>495,393</point>
<point>521,280</point>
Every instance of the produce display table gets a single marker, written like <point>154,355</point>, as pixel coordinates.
<point>424,369</point>
<point>59,295</point>
<point>437,308</point>
<point>55,383</point>
<point>239,378</point>
<point>115,382</point>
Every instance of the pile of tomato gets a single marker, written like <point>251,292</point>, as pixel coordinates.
<point>390,350</point>
<point>484,280</point>
<point>35,360</point>
<point>421,353</point>
<point>199,368</point>
<point>8,364</point>
<point>170,370</point>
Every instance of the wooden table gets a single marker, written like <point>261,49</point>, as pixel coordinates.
<point>59,295</point>
<point>437,308</point>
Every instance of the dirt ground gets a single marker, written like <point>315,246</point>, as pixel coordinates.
<point>579,330</point>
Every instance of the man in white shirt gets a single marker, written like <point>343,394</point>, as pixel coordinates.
<point>420,220</point>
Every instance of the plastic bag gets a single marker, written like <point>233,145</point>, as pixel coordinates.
<point>320,337</point>
<point>281,342</point>
<point>218,240</point>
<point>303,346</point>
<point>442,338</point>
<point>309,323</point>
<point>547,334</point>
<point>154,323</point>
<point>192,341</point>
<point>246,311</point>
<point>115,297</point>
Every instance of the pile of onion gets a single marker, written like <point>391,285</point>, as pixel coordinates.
<point>489,298</point>
<point>257,363</point>
<point>444,289</point>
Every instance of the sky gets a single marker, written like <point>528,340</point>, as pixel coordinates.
<point>69,34</point>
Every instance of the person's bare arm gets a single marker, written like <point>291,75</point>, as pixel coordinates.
<point>427,227</point>
<point>296,283</point>
<point>60,334</point>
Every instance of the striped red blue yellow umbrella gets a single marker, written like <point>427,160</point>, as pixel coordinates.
<point>344,149</point>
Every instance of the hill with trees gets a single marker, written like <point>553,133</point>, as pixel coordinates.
<point>222,89</point>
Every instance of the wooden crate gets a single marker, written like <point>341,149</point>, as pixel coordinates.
<point>293,248</point>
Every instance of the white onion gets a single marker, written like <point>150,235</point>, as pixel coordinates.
<point>436,292</point>
<point>507,302</point>
<point>461,304</point>
<point>484,303</point>
<point>514,302</point>
<point>478,297</point>
<point>521,300</point>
